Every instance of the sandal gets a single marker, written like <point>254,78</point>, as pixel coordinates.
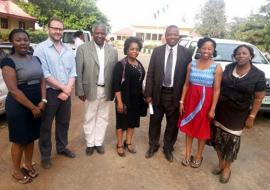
<point>25,179</point>
<point>121,154</point>
<point>196,163</point>
<point>131,150</point>
<point>186,162</point>
<point>30,172</point>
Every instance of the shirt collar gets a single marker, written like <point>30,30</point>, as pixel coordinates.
<point>169,47</point>
<point>98,47</point>
<point>50,43</point>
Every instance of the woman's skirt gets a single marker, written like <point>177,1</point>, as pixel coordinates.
<point>23,127</point>
<point>195,121</point>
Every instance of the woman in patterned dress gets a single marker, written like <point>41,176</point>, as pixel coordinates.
<point>199,98</point>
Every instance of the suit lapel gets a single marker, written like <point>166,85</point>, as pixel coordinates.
<point>106,55</point>
<point>178,68</point>
<point>93,52</point>
<point>162,59</point>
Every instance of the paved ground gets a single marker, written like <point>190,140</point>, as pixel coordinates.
<point>110,172</point>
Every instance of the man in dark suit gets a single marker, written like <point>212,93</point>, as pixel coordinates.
<point>164,82</point>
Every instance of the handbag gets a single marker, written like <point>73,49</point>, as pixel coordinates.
<point>143,106</point>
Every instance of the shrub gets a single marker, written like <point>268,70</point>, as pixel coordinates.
<point>36,36</point>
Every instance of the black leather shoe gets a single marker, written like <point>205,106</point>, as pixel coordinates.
<point>100,149</point>
<point>46,164</point>
<point>89,151</point>
<point>168,156</point>
<point>66,152</point>
<point>150,152</point>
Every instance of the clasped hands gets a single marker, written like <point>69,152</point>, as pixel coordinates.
<point>66,92</point>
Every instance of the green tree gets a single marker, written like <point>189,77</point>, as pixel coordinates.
<point>255,29</point>
<point>212,19</point>
<point>76,14</point>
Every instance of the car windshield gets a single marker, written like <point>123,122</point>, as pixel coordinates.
<point>68,37</point>
<point>225,51</point>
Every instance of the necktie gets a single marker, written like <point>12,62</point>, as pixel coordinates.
<point>168,69</point>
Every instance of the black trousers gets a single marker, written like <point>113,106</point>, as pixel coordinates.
<point>171,111</point>
<point>60,110</point>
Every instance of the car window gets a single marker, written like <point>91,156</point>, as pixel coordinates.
<point>68,37</point>
<point>192,47</point>
<point>183,42</point>
<point>5,50</point>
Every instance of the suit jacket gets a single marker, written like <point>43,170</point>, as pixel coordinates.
<point>155,74</point>
<point>87,66</point>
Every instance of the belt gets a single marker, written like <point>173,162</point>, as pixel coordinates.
<point>101,85</point>
<point>167,88</point>
<point>30,82</point>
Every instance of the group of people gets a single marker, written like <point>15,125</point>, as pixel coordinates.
<point>196,97</point>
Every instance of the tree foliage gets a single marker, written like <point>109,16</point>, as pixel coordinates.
<point>254,29</point>
<point>76,14</point>
<point>212,19</point>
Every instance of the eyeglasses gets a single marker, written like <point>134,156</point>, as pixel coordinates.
<point>54,28</point>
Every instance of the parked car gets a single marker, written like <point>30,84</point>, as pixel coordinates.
<point>5,50</point>
<point>224,56</point>
<point>68,37</point>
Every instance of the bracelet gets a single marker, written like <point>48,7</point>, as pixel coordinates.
<point>44,100</point>
<point>252,116</point>
<point>181,101</point>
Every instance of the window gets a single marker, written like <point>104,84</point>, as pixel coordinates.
<point>4,23</point>
<point>21,25</point>
<point>159,36</point>
<point>118,37</point>
<point>154,36</point>
<point>140,36</point>
<point>148,36</point>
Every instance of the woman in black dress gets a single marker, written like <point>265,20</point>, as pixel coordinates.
<point>25,102</point>
<point>128,77</point>
<point>243,86</point>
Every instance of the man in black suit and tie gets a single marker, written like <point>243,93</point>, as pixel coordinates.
<point>164,82</point>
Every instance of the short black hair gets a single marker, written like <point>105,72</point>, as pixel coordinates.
<point>11,36</point>
<point>171,26</point>
<point>132,40</point>
<point>250,49</point>
<point>15,31</point>
<point>77,34</point>
<point>207,39</point>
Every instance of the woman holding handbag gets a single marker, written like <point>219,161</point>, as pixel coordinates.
<point>127,82</point>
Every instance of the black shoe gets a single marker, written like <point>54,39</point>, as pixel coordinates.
<point>223,179</point>
<point>46,164</point>
<point>100,149</point>
<point>168,155</point>
<point>66,152</point>
<point>89,151</point>
<point>150,152</point>
<point>131,150</point>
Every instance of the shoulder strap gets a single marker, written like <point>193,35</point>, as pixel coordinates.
<point>123,62</point>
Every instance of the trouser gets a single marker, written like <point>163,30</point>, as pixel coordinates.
<point>171,111</point>
<point>96,119</point>
<point>60,110</point>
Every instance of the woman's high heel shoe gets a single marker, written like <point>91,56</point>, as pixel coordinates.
<point>129,149</point>
<point>121,154</point>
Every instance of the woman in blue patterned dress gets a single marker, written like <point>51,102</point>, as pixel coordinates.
<point>198,101</point>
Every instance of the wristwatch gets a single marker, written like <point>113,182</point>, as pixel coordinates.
<point>44,100</point>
